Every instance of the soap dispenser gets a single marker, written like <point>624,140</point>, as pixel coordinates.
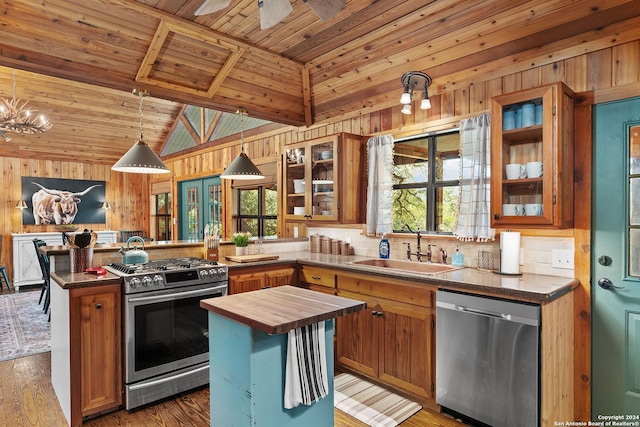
<point>384,247</point>
<point>457,259</point>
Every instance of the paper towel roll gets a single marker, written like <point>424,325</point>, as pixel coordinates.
<point>510,252</point>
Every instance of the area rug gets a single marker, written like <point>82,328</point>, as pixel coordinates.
<point>371,404</point>
<point>24,329</point>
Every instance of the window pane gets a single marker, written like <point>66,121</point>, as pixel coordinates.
<point>250,225</point>
<point>161,204</point>
<point>249,202</point>
<point>447,209</point>
<point>634,201</point>
<point>409,207</point>
<point>411,160</point>
<point>634,252</point>
<point>448,157</point>
<point>271,202</point>
<point>270,228</point>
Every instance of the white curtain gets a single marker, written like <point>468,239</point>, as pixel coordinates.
<point>380,169</point>
<point>474,214</point>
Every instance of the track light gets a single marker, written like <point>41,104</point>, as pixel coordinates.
<point>410,81</point>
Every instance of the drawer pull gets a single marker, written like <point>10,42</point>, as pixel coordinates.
<point>316,277</point>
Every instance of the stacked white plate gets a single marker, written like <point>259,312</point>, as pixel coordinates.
<point>298,210</point>
<point>298,185</point>
<point>326,154</point>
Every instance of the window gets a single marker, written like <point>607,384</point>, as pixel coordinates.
<point>162,210</point>
<point>424,196</point>
<point>257,211</point>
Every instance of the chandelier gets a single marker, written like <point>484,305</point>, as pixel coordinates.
<point>15,117</point>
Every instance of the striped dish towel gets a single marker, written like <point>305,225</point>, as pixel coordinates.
<point>306,368</point>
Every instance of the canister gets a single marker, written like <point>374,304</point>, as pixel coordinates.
<point>528,114</point>
<point>335,246</point>
<point>345,248</point>
<point>315,243</point>
<point>326,245</point>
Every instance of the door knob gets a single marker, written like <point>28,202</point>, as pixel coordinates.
<point>607,284</point>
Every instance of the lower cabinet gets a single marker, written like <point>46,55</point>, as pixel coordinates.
<point>393,340</point>
<point>96,368</point>
<point>317,279</point>
<point>254,278</point>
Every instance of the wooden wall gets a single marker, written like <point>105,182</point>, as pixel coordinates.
<point>127,193</point>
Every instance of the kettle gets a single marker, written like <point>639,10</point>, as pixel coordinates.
<point>135,255</point>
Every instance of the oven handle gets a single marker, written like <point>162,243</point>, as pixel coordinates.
<point>174,295</point>
<point>167,379</point>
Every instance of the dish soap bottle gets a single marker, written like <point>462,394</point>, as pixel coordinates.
<point>457,259</point>
<point>384,247</point>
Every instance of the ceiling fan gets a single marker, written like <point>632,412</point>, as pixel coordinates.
<point>274,11</point>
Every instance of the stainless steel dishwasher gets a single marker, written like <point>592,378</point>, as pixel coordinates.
<point>487,359</point>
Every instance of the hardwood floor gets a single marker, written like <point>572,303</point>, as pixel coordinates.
<point>27,399</point>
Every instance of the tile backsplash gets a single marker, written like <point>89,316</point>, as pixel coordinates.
<point>535,252</point>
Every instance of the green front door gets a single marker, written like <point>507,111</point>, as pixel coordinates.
<point>615,279</point>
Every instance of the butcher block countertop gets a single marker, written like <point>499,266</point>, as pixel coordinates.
<point>68,280</point>
<point>280,309</point>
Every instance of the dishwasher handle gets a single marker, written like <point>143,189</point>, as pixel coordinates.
<point>485,313</point>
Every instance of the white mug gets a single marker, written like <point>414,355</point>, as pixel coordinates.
<point>516,171</point>
<point>512,209</point>
<point>534,169</point>
<point>533,209</point>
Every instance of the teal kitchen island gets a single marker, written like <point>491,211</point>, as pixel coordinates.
<point>248,334</point>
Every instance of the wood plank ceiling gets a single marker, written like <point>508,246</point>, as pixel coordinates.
<point>77,61</point>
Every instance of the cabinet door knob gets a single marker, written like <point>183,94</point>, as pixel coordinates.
<point>98,306</point>
<point>496,216</point>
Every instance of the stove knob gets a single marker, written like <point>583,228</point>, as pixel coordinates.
<point>204,274</point>
<point>212,272</point>
<point>135,283</point>
<point>221,272</point>
<point>158,280</point>
<point>147,281</point>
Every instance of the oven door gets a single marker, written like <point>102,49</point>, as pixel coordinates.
<point>167,330</point>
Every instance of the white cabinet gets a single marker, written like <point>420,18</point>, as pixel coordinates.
<point>26,269</point>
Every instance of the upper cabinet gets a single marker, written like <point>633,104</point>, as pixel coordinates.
<point>324,180</point>
<point>532,158</point>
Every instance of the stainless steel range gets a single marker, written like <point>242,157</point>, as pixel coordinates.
<point>166,332</point>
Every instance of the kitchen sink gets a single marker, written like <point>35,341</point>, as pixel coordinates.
<point>409,266</point>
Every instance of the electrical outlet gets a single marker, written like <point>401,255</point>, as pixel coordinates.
<point>562,259</point>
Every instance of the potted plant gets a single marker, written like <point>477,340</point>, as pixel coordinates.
<point>241,240</point>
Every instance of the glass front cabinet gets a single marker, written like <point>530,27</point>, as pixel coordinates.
<point>323,179</point>
<point>532,158</point>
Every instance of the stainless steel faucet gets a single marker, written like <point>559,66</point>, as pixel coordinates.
<point>444,255</point>
<point>418,252</point>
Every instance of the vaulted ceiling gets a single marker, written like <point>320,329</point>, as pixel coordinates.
<point>77,61</point>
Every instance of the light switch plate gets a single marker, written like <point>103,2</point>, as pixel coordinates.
<point>562,259</point>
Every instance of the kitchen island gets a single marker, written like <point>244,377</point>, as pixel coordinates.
<point>248,349</point>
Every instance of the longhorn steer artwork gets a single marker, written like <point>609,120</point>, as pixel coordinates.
<point>56,206</point>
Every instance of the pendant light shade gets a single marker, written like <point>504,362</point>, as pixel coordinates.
<point>140,158</point>
<point>242,167</point>
<point>22,205</point>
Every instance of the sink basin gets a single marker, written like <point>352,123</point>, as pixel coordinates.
<point>410,266</point>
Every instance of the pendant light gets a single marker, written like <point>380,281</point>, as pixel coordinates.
<point>140,158</point>
<point>242,167</point>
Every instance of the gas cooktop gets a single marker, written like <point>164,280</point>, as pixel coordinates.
<point>169,274</point>
<point>169,264</point>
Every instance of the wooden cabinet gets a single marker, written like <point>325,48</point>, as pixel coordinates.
<point>262,277</point>
<point>392,341</point>
<point>324,180</point>
<point>317,279</point>
<point>96,368</point>
<point>532,128</point>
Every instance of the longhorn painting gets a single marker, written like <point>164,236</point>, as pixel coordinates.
<point>62,201</point>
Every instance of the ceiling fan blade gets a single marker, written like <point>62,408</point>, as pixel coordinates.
<point>325,9</point>
<point>273,11</point>
<point>210,6</point>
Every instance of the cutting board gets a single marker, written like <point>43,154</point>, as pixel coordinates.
<point>252,258</point>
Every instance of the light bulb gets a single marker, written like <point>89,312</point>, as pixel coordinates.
<point>406,109</point>
<point>405,98</point>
